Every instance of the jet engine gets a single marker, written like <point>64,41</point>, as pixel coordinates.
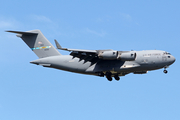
<point>115,55</point>
<point>108,55</point>
<point>127,56</point>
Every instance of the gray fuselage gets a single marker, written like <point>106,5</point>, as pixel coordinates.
<point>145,61</point>
<point>109,63</point>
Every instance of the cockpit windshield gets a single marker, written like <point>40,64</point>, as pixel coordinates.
<point>166,53</point>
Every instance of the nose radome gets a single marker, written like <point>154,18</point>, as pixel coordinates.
<point>174,59</point>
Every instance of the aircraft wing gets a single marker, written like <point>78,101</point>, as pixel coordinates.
<point>75,50</point>
<point>86,55</point>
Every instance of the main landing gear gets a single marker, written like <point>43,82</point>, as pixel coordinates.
<point>117,77</point>
<point>109,76</point>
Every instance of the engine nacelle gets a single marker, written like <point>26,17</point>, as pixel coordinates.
<point>108,55</point>
<point>115,55</point>
<point>127,56</point>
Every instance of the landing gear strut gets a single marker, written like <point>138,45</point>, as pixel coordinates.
<point>165,71</point>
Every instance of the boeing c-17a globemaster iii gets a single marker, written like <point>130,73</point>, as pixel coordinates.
<point>108,63</point>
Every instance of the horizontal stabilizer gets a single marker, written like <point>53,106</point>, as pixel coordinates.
<point>24,33</point>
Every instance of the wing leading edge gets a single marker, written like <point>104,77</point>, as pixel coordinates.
<point>75,50</point>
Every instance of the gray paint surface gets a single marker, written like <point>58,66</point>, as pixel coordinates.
<point>91,61</point>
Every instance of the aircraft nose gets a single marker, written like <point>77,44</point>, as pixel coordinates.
<point>174,59</point>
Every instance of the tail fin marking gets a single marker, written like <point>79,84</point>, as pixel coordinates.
<point>37,43</point>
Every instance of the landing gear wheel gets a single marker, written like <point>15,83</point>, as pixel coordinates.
<point>117,78</point>
<point>165,71</point>
<point>108,76</point>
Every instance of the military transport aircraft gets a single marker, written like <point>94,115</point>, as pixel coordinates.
<point>109,63</point>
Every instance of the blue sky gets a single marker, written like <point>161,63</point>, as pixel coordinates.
<point>30,92</point>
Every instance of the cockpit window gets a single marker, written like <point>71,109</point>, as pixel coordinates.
<point>166,53</point>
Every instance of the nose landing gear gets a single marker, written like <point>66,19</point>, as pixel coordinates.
<point>165,71</point>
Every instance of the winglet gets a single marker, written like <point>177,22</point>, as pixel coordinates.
<point>57,44</point>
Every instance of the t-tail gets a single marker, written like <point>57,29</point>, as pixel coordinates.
<point>37,43</point>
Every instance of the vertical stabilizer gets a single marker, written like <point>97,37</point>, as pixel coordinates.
<point>37,43</point>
